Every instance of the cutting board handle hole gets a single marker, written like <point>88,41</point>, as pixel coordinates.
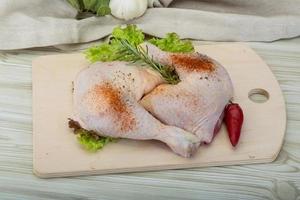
<point>258,95</point>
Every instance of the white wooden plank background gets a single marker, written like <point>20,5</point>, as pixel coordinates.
<point>277,180</point>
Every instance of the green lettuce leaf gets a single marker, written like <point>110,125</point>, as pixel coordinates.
<point>98,7</point>
<point>130,33</point>
<point>172,43</point>
<point>90,142</point>
<point>104,52</point>
<point>102,8</point>
<point>89,4</point>
<point>109,51</point>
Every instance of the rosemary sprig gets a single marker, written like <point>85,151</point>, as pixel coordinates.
<point>138,54</point>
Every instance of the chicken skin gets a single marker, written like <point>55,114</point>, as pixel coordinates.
<point>196,103</point>
<point>106,100</point>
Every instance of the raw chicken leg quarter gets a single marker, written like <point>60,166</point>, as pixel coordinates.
<point>196,103</point>
<point>106,99</point>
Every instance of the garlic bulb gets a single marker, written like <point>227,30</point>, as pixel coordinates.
<point>128,9</point>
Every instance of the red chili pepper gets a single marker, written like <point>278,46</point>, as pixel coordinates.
<point>234,120</point>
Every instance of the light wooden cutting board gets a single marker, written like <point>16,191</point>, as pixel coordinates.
<point>56,152</point>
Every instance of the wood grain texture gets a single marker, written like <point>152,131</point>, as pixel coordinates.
<point>277,180</point>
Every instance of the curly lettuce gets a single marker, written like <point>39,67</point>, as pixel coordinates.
<point>111,51</point>
<point>92,142</point>
<point>98,7</point>
<point>172,43</point>
<point>89,140</point>
<point>131,33</point>
<point>104,52</point>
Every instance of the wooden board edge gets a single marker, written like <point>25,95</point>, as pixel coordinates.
<point>150,168</point>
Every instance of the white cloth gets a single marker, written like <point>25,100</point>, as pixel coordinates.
<point>34,23</point>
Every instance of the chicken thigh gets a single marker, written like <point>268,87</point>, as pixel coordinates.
<point>197,102</point>
<point>106,99</point>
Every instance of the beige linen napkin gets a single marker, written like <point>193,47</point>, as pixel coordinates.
<point>33,23</point>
